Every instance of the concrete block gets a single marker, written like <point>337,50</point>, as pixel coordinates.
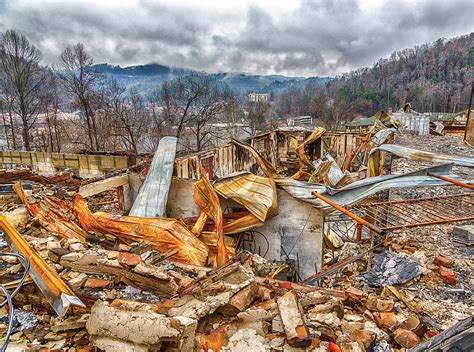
<point>464,234</point>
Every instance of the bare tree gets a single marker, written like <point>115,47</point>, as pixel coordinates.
<point>180,96</point>
<point>129,115</point>
<point>51,107</point>
<point>82,82</point>
<point>256,118</point>
<point>194,101</point>
<point>22,78</point>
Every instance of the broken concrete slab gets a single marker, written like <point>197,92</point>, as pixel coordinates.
<point>140,325</point>
<point>291,314</point>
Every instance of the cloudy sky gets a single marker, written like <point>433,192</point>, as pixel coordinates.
<point>291,37</point>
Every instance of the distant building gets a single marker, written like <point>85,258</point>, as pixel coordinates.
<point>299,121</point>
<point>258,97</point>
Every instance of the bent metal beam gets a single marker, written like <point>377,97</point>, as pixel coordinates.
<point>57,293</point>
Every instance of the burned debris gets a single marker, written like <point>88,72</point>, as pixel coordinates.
<point>293,240</point>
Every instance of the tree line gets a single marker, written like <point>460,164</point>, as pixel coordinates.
<point>110,117</point>
<point>433,77</point>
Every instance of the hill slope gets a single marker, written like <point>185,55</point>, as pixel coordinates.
<point>433,77</point>
<point>148,78</point>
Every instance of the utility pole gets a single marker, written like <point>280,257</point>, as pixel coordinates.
<point>468,120</point>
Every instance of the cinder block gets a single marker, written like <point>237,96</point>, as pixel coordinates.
<point>464,234</point>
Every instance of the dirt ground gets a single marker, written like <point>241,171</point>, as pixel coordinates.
<point>447,304</point>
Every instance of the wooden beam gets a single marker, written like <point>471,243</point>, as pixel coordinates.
<point>103,185</point>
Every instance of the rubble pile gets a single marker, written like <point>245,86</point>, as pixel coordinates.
<point>86,277</point>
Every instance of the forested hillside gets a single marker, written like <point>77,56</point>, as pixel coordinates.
<point>433,77</point>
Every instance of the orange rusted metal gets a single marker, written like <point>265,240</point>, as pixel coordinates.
<point>409,213</point>
<point>451,180</point>
<point>206,198</point>
<point>57,293</point>
<point>53,214</point>
<point>165,235</point>
<point>348,213</point>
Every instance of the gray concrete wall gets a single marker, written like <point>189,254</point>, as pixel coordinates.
<point>86,166</point>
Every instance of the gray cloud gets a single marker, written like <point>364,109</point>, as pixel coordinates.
<point>312,38</point>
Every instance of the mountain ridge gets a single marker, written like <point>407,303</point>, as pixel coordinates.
<point>147,78</point>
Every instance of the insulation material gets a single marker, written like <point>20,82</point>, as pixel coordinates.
<point>206,198</point>
<point>152,197</point>
<point>165,235</point>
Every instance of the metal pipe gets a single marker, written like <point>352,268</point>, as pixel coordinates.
<point>348,213</point>
<point>451,180</point>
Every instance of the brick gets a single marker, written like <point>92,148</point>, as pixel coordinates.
<point>406,338</point>
<point>97,283</point>
<point>375,304</point>
<point>129,259</point>
<point>365,338</point>
<point>448,276</point>
<point>385,320</point>
<point>443,260</point>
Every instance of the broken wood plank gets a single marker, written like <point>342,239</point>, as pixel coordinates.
<point>103,185</point>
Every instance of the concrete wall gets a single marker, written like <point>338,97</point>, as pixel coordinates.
<point>298,227</point>
<point>86,166</point>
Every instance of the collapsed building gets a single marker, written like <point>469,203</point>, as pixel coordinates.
<point>291,240</point>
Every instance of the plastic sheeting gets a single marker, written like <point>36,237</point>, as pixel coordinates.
<point>153,194</point>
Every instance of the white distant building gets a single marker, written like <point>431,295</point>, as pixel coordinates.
<point>258,97</point>
<point>299,121</point>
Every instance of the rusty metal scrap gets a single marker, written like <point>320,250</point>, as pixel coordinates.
<point>163,234</point>
<point>315,135</point>
<point>257,194</point>
<point>58,294</point>
<point>54,215</point>
<point>453,181</point>
<point>408,213</point>
<point>206,198</point>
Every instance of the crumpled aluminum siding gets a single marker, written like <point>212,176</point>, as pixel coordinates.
<point>358,190</point>
<point>315,135</point>
<point>165,235</point>
<point>53,214</point>
<point>207,200</point>
<point>256,193</point>
<point>153,194</point>
<point>369,186</point>
<point>414,154</point>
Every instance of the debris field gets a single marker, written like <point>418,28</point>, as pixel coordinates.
<point>88,265</point>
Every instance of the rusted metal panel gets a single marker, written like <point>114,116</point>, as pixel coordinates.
<point>165,235</point>
<point>58,294</point>
<point>53,214</point>
<point>206,198</point>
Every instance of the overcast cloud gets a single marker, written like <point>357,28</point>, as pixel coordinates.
<point>304,38</point>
